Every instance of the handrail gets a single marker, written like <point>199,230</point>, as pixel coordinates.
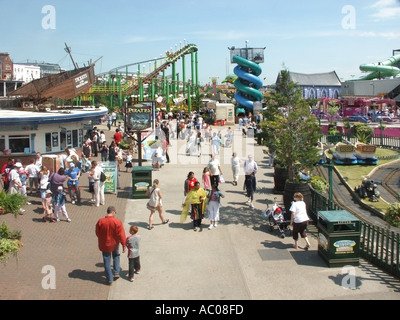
<point>379,246</point>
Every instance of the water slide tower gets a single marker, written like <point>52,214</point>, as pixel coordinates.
<point>248,83</point>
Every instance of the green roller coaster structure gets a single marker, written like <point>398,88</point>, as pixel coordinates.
<point>150,84</point>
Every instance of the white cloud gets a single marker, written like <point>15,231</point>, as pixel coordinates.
<point>385,35</point>
<point>383,3</point>
<point>386,9</point>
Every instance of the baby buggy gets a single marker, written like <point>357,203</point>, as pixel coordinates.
<point>275,217</point>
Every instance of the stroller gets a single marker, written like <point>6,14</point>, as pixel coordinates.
<point>275,217</point>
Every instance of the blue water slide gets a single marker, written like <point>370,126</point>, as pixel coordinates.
<point>244,90</point>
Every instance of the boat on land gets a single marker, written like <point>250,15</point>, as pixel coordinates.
<point>365,153</point>
<point>345,154</point>
<point>65,85</point>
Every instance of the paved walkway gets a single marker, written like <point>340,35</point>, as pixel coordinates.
<point>239,260</point>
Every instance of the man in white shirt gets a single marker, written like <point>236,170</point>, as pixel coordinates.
<point>32,171</point>
<point>38,160</point>
<point>250,169</point>
<point>14,178</point>
<point>216,170</point>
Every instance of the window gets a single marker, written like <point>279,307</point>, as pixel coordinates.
<point>17,144</point>
<point>2,143</point>
<point>75,140</point>
<point>54,141</point>
<point>48,142</point>
<point>58,141</point>
<point>69,138</point>
<point>63,139</point>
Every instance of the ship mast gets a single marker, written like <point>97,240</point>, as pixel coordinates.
<point>68,50</point>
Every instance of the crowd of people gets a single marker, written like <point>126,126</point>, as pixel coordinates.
<point>202,198</point>
<point>63,185</point>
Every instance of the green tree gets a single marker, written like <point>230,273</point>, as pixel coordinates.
<point>363,132</point>
<point>289,128</point>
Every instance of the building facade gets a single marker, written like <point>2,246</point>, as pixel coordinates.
<point>319,85</point>
<point>6,67</point>
<point>26,73</point>
<point>23,133</point>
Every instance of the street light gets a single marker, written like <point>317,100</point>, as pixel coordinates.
<point>125,113</point>
<point>373,88</point>
<point>329,164</point>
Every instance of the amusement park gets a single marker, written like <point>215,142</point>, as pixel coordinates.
<point>335,142</point>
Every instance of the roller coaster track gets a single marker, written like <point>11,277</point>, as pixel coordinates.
<point>134,84</point>
<point>351,202</point>
<point>390,182</point>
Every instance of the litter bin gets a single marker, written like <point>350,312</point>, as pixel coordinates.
<point>339,238</point>
<point>141,180</point>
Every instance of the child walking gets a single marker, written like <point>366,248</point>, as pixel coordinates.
<point>128,159</point>
<point>48,207</point>
<point>207,180</point>
<point>214,205</point>
<point>60,199</point>
<point>132,243</point>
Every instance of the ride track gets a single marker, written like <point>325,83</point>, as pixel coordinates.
<point>387,177</point>
<point>134,84</point>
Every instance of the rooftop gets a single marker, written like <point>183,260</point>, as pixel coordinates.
<point>317,79</point>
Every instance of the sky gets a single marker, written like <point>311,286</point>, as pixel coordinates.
<point>309,36</point>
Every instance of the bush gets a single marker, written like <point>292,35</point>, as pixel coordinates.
<point>319,184</point>
<point>9,242</point>
<point>124,145</point>
<point>393,215</point>
<point>11,203</point>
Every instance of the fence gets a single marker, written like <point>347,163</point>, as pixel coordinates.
<point>379,246</point>
<point>382,141</point>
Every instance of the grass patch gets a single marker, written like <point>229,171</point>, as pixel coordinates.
<point>354,174</point>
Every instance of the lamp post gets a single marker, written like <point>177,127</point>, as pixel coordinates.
<point>125,113</point>
<point>329,164</point>
<point>381,128</point>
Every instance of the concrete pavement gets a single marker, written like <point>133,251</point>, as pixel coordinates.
<point>239,260</point>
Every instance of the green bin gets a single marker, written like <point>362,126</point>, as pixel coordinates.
<point>141,180</point>
<point>339,238</point>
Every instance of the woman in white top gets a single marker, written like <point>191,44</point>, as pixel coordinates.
<point>299,219</point>
<point>235,162</point>
<point>191,146</point>
<point>155,203</point>
<point>44,176</point>
<point>98,186</point>
<point>216,143</point>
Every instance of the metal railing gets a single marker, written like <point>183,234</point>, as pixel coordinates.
<point>382,141</point>
<point>379,246</point>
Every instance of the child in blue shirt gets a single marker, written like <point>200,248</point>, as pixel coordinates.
<point>60,198</point>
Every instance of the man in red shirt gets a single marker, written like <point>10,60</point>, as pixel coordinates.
<point>110,233</point>
<point>5,171</point>
<point>118,136</point>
